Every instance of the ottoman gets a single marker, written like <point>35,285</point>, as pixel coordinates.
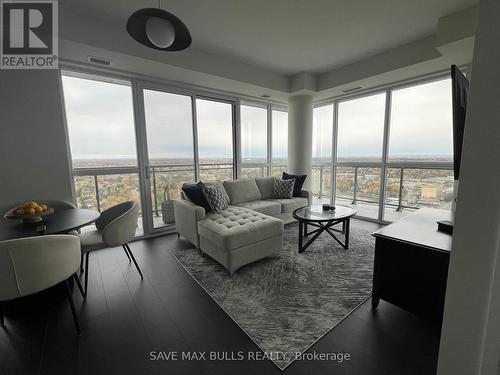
<point>238,236</point>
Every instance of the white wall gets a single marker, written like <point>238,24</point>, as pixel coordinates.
<point>33,156</point>
<point>470,341</point>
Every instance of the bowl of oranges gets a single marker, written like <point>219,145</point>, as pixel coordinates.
<point>29,212</point>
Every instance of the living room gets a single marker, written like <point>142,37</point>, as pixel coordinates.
<point>250,187</point>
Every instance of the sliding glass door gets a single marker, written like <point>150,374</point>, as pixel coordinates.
<point>137,140</point>
<point>170,156</point>
<point>360,138</point>
<point>102,138</point>
<point>183,139</point>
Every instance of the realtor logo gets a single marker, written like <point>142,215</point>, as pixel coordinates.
<point>29,38</point>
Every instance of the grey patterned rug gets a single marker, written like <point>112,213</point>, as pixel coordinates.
<point>286,302</point>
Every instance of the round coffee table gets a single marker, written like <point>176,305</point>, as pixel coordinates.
<point>324,222</point>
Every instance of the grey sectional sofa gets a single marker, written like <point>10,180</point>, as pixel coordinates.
<point>250,229</point>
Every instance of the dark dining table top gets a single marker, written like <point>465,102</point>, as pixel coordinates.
<point>61,221</point>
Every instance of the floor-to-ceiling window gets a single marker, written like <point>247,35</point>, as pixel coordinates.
<point>420,149</point>
<point>215,139</point>
<point>321,182</point>
<point>254,141</point>
<point>137,140</point>
<point>360,138</point>
<point>392,149</point>
<point>279,142</point>
<point>169,136</point>
<point>100,122</point>
<point>264,140</point>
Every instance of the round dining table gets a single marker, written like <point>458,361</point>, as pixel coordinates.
<point>61,221</point>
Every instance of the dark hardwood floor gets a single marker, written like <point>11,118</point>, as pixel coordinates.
<point>124,319</point>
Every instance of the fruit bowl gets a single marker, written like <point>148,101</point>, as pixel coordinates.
<point>31,212</point>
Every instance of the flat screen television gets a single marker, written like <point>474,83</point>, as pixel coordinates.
<point>460,95</point>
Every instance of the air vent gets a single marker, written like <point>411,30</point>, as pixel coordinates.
<point>352,89</point>
<point>99,61</point>
<point>265,96</point>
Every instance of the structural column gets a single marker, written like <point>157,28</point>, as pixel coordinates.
<point>300,129</point>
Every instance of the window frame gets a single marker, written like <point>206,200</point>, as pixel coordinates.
<point>384,164</point>
<point>138,83</point>
<point>270,164</point>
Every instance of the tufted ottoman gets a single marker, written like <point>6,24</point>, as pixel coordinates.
<point>238,236</point>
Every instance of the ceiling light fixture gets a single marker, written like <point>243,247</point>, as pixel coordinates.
<point>158,29</point>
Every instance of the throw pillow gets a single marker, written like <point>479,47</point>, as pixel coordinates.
<point>299,182</point>
<point>283,189</point>
<point>216,197</point>
<point>195,194</point>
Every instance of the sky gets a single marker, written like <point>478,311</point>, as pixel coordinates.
<point>421,124</point>
<point>253,133</point>
<point>101,124</point>
<point>100,119</point>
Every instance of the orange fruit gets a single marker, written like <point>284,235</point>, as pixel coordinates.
<point>38,209</point>
<point>44,207</point>
<point>31,205</point>
<point>30,211</point>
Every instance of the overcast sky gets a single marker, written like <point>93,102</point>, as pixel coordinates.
<point>421,124</point>
<point>101,124</point>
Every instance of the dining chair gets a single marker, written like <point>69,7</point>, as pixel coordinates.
<point>60,205</point>
<point>115,227</point>
<point>32,264</point>
<point>63,205</point>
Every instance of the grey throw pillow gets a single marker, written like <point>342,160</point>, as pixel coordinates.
<point>216,197</point>
<point>283,189</point>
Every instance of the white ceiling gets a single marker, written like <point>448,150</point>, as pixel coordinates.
<point>292,36</point>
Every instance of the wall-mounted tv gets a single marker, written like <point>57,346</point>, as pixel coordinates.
<point>460,95</point>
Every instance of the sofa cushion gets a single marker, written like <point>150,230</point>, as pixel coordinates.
<point>299,182</point>
<point>289,205</point>
<point>264,207</point>
<point>237,226</point>
<point>283,189</point>
<point>216,197</point>
<point>266,186</point>
<point>207,183</point>
<point>194,193</point>
<point>240,191</point>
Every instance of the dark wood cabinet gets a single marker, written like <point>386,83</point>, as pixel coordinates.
<point>411,263</point>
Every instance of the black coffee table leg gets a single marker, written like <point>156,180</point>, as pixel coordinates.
<point>347,226</point>
<point>305,229</point>
<point>317,233</point>
<point>301,232</point>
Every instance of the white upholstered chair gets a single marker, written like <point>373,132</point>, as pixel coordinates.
<point>62,205</point>
<point>115,227</point>
<point>30,265</point>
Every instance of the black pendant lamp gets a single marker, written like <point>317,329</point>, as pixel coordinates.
<point>158,29</point>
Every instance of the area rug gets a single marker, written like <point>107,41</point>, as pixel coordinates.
<point>287,302</point>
